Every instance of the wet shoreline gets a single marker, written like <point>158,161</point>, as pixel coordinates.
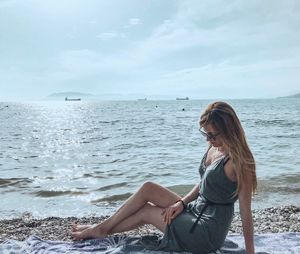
<point>269,220</point>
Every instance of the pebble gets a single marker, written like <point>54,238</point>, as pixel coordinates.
<point>269,220</point>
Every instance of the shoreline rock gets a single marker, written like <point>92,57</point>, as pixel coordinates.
<point>269,220</point>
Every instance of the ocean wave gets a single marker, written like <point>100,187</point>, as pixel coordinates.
<point>89,175</point>
<point>112,186</point>
<point>56,193</point>
<point>5,182</point>
<point>111,162</point>
<point>113,198</point>
<point>287,135</point>
<point>30,156</point>
<point>288,184</point>
<point>275,122</point>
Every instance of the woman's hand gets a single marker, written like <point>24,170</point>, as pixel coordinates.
<point>172,211</point>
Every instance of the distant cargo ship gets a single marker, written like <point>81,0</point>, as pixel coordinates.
<point>182,99</point>
<point>75,99</point>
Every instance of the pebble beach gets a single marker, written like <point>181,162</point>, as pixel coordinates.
<point>268,220</point>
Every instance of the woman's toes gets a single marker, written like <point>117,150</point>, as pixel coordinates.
<point>76,227</point>
<point>76,236</point>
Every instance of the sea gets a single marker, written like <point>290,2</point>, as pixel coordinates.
<point>84,158</point>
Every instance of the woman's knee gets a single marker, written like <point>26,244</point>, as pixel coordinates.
<point>148,187</point>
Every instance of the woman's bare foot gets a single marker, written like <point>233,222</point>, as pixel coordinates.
<point>77,228</point>
<point>90,232</point>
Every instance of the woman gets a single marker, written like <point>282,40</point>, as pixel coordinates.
<point>227,173</point>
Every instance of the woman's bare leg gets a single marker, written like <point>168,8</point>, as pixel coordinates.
<point>148,214</point>
<point>149,192</point>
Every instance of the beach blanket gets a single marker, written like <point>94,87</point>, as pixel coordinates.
<point>283,243</point>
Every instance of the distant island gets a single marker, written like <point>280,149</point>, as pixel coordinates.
<point>94,97</point>
<point>69,95</point>
<point>104,96</point>
<point>297,95</point>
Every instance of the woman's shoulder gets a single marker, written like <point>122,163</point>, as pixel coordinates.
<point>229,169</point>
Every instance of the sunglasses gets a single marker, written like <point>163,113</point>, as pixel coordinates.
<point>209,136</point>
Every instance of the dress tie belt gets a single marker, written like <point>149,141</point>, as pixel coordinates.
<point>206,204</point>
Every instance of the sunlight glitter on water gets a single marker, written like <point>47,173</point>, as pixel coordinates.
<point>88,156</point>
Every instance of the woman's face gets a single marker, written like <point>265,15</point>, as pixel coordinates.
<point>213,136</point>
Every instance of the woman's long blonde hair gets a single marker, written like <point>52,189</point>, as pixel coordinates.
<point>224,119</point>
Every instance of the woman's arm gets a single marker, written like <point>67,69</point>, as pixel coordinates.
<point>246,214</point>
<point>174,210</point>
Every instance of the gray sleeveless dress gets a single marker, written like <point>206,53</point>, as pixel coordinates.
<point>212,226</point>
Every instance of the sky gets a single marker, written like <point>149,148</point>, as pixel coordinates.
<point>203,49</point>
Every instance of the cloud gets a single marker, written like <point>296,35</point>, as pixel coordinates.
<point>240,29</point>
<point>84,63</point>
<point>254,80</point>
<point>107,36</point>
<point>196,44</point>
<point>134,21</point>
<point>227,46</point>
